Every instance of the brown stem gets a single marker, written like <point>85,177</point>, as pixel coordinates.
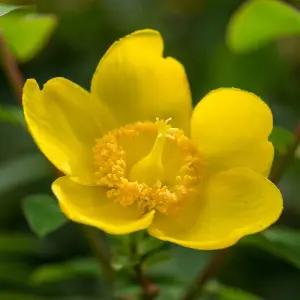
<point>150,290</point>
<point>210,271</point>
<point>11,68</point>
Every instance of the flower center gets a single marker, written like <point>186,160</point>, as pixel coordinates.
<point>153,161</point>
<point>148,164</point>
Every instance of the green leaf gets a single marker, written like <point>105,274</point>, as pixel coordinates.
<point>281,139</point>
<point>148,244</point>
<point>7,8</point>
<point>281,242</point>
<point>121,261</point>
<point>23,170</point>
<point>158,258</point>
<point>229,293</point>
<point>17,243</point>
<point>43,214</point>
<point>19,296</point>
<point>121,243</point>
<point>13,272</point>
<point>258,22</point>
<point>27,35</point>
<point>58,272</point>
<point>13,295</point>
<point>25,32</point>
<point>12,114</point>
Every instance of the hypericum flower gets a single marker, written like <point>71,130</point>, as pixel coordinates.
<point>136,157</point>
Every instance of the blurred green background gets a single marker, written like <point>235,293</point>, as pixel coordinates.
<point>60,265</point>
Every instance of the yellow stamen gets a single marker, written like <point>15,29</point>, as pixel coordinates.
<point>144,184</point>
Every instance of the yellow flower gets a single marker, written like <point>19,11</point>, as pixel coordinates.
<point>136,157</point>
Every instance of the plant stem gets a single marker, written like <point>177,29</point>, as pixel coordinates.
<point>11,69</point>
<point>98,244</point>
<point>209,272</point>
<point>285,161</point>
<point>150,291</point>
<point>218,260</point>
<point>16,80</point>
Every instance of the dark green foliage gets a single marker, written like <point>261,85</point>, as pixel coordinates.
<point>219,44</point>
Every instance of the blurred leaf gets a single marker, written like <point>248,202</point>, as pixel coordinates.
<point>121,251</point>
<point>127,290</point>
<point>13,272</point>
<point>149,244</point>
<point>12,295</point>
<point>12,114</point>
<point>23,170</point>
<point>58,272</point>
<point>7,8</point>
<point>228,69</point>
<point>281,139</point>
<point>19,296</point>
<point>121,243</point>
<point>43,214</point>
<point>229,293</point>
<point>121,261</point>
<point>27,35</point>
<point>258,22</point>
<point>150,251</point>
<point>24,31</point>
<point>282,242</point>
<point>158,258</point>
<point>17,243</point>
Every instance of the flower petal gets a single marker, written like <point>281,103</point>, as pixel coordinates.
<point>64,120</point>
<point>231,128</point>
<point>89,205</point>
<point>234,203</point>
<point>138,83</point>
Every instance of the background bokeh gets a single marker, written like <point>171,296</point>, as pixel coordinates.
<point>61,265</point>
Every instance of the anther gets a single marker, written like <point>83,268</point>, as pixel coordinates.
<point>145,186</point>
